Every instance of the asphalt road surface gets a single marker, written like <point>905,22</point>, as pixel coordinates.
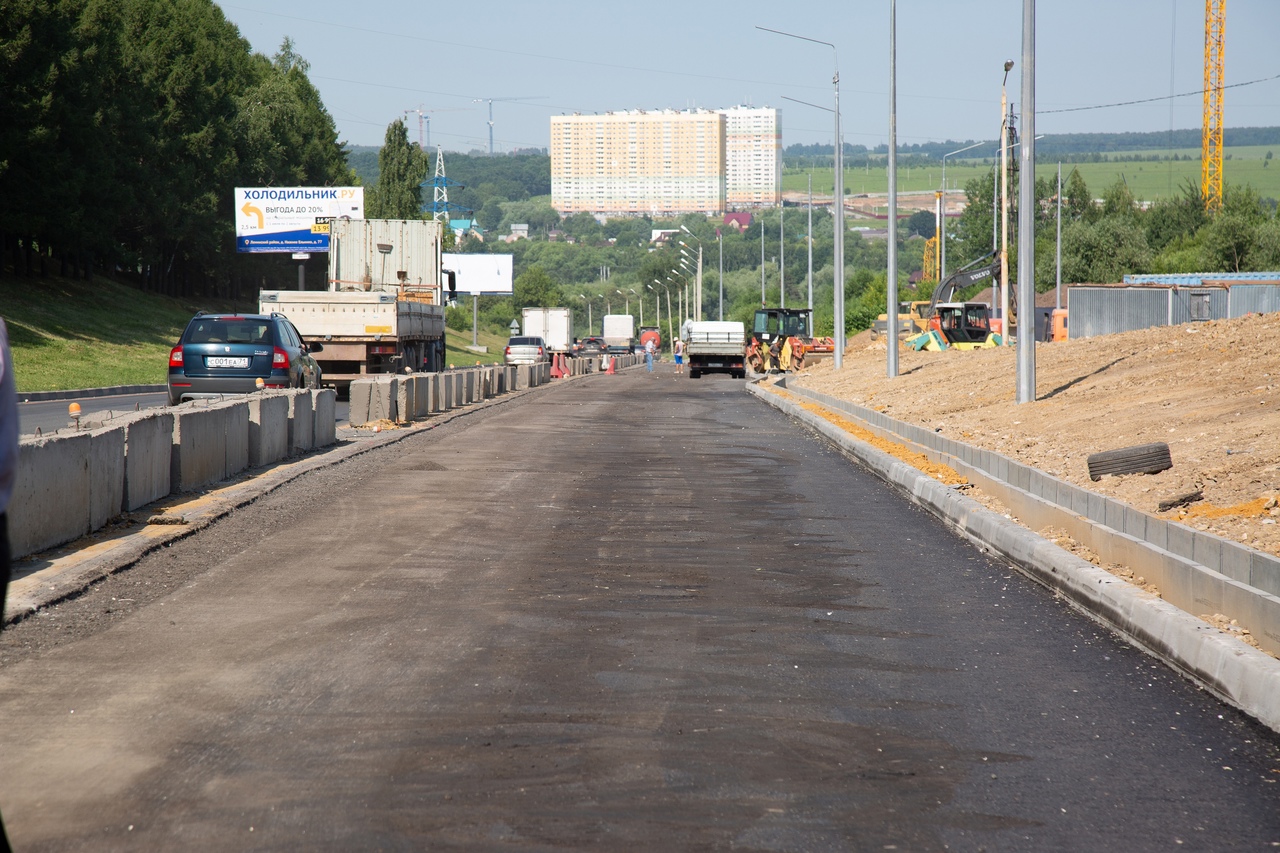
<point>622,613</point>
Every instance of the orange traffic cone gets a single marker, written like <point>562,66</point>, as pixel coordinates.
<point>610,359</point>
<point>557,372</point>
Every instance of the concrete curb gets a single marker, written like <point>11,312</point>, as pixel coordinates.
<point>43,396</point>
<point>65,572</point>
<point>1231,670</point>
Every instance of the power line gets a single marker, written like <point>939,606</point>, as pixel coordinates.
<point>1196,93</point>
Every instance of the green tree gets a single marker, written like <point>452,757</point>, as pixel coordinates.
<point>534,288</point>
<point>401,169</point>
<point>1104,251</point>
<point>1077,201</point>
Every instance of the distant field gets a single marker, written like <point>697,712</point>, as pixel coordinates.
<point>1149,180</point>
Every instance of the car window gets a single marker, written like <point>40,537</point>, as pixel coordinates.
<point>525,342</point>
<point>290,335</point>
<point>229,331</point>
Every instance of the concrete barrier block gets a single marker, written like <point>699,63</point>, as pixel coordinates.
<point>106,475</point>
<point>360,394</point>
<point>1235,562</point>
<point>1264,572</point>
<point>406,400</point>
<point>268,429</point>
<point>448,387</point>
<point>324,405</point>
<point>469,387</point>
<point>302,424</point>
<point>148,451</point>
<point>422,388</point>
<point>431,394</point>
<point>50,503</point>
<point>522,376</point>
<point>199,449</point>
<point>459,389</point>
<point>1180,539</point>
<point>1206,550</point>
<point>237,450</point>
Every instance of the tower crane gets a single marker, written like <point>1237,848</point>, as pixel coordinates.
<point>424,117</point>
<point>490,101</point>
<point>1215,25</point>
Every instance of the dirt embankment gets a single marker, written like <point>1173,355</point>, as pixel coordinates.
<point>1210,390</point>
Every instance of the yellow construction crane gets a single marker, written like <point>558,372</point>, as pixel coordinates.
<point>1215,25</point>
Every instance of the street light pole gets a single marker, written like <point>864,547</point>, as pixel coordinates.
<point>891,311</point>
<point>838,250</point>
<point>1026,384</point>
<point>1004,205</point>
<point>942,238</point>
<point>720,240</point>
<point>782,257</point>
<point>810,240</point>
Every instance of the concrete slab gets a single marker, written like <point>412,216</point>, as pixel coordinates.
<point>268,429</point>
<point>51,493</point>
<point>199,449</point>
<point>106,475</point>
<point>302,424</point>
<point>324,405</point>
<point>148,450</point>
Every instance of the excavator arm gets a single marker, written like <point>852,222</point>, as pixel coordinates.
<point>988,266</point>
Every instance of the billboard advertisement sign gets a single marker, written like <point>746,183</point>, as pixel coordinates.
<point>292,219</point>
<point>480,275</point>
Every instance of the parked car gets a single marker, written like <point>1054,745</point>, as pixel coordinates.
<point>228,353</point>
<point>591,347</point>
<point>526,349</point>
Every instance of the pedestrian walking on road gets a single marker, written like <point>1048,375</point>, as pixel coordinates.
<point>677,350</point>
<point>649,348</point>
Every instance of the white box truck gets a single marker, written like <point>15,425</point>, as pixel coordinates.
<point>382,312</point>
<point>619,332</point>
<point>715,346</point>
<point>553,325</point>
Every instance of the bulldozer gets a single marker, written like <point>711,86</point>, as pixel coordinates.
<point>780,340</point>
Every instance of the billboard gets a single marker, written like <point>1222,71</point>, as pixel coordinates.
<point>480,275</point>
<point>292,219</point>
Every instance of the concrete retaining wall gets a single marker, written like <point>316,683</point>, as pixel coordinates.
<point>268,429</point>
<point>148,451</point>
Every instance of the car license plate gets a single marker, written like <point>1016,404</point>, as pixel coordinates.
<point>226,361</point>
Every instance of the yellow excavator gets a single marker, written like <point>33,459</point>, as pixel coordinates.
<point>962,325</point>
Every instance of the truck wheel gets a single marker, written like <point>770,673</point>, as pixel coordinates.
<point>695,374</point>
<point>1140,459</point>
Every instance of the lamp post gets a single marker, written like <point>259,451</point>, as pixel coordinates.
<point>809,239</point>
<point>838,200</point>
<point>1026,381</point>
<point>641,301</point>
<point>584,298</point>
<point>697,288</point>
<point>942,236</point>
<point>720,240</point>
<point>891,365</point>
<point>1004,205</point>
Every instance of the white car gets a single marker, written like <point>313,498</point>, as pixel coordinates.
<point>526,349</point>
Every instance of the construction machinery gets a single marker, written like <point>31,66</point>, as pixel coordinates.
<point>963,325</point>
<point>780,340</point>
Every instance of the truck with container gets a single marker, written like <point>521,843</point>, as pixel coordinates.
<point>715,346</point>
<point>619,333</point>
<point>383,311</point>
<point>553,325</point>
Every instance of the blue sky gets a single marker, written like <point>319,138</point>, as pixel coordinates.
<point>375,60</point>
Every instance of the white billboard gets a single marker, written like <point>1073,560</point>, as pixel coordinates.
<point>292,219</point>
<point>480,275</point>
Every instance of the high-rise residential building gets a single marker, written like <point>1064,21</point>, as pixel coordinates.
<point>656,162</point>
<point>752,156</point>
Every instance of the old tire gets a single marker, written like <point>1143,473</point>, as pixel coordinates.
<point>1140,459</point>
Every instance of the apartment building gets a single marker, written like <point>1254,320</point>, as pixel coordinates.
<point>753,157</point>
<point>656,162</point>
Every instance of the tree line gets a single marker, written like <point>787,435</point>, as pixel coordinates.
<point>126,126</point>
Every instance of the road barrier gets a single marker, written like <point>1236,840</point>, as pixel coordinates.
<point>72,484</point>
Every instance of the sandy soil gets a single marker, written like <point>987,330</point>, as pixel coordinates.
<point>1210,390</point>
